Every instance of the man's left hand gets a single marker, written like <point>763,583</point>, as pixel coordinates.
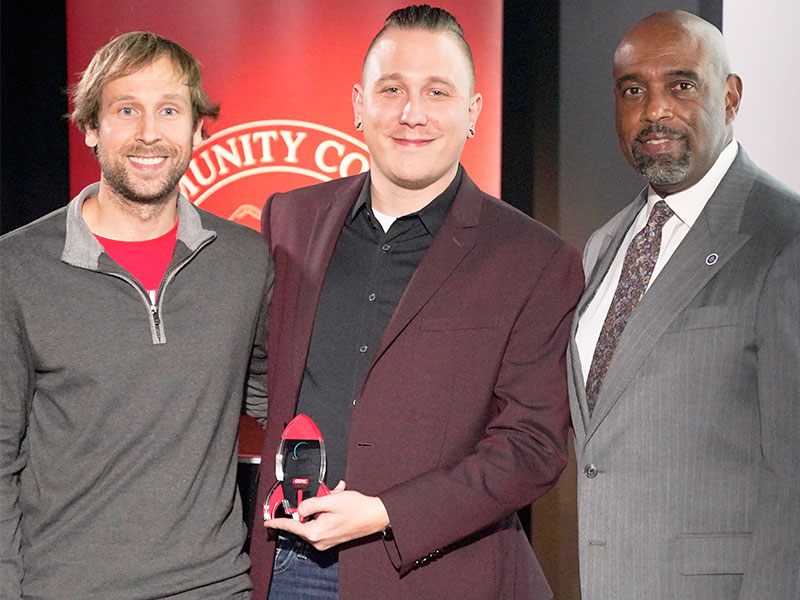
<point>339,517</point>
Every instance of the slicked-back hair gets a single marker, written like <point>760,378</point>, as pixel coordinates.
<point>426,18</point>
<point>126,54</point>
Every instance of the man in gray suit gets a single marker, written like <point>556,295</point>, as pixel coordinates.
<point>685,351</point>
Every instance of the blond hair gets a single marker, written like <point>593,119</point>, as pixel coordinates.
<point>126,54</point>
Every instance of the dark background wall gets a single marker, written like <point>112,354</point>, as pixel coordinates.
<point>561,162</point>
<point>34,169</point>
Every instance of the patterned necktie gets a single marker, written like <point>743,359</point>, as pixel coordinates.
<point>636,271</point>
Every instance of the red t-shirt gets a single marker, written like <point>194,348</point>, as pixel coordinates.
<point>146,260</point>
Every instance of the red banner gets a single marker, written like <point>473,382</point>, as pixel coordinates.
<point>283,72</point>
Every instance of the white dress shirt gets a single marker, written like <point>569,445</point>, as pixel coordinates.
<point>687,206</point>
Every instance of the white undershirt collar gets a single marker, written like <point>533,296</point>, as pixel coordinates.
<point>385,220</point>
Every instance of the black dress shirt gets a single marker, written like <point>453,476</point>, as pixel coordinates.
<point>367,275</point>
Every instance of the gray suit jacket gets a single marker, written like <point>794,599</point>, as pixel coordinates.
<point>689,467</point>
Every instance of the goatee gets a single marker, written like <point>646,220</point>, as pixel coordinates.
<point>661,169</point>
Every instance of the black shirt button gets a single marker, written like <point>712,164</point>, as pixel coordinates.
<point>363,349</point>
<point>590,471</point>
<point>371,297</point>
<point>385,247</point>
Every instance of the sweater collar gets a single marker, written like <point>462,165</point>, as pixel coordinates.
<point>81,248</point>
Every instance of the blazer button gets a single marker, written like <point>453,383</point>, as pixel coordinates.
<point>590,471</point>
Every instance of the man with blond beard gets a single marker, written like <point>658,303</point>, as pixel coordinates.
<point>128,322</point>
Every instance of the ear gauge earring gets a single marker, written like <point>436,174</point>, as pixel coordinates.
<point>358,125</point>
<point>471,132</point>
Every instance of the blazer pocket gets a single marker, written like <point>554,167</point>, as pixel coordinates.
<point>713,553</point>
<point>704,317</point>
<point>449,323</point>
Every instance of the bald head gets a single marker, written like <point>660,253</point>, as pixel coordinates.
<point>677,26</point>
<point>675,98</point>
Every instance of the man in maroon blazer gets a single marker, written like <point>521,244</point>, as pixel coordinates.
<point>422,325</point>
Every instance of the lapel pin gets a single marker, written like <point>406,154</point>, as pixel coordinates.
<point>712,258</point>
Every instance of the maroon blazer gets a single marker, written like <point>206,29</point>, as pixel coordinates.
<point>462,417</point>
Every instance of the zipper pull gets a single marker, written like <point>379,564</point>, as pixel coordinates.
<point>156,320</point>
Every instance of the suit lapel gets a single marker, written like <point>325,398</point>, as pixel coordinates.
<point>716,232</point>
<point>328,223</point>
<point>452,243</point>
<point>597,263</point>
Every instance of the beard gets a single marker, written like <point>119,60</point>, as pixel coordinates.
<point>662,169</point>
<point>145,191</point>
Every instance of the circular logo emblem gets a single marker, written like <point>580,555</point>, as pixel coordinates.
<point>235,170</point>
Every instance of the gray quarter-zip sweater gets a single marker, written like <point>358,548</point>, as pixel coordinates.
<point>119,417</point>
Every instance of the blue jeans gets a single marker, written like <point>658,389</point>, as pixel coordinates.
<point>301,572</point>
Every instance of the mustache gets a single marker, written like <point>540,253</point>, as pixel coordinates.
<point>148,150</point>
<point>653,129</point>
